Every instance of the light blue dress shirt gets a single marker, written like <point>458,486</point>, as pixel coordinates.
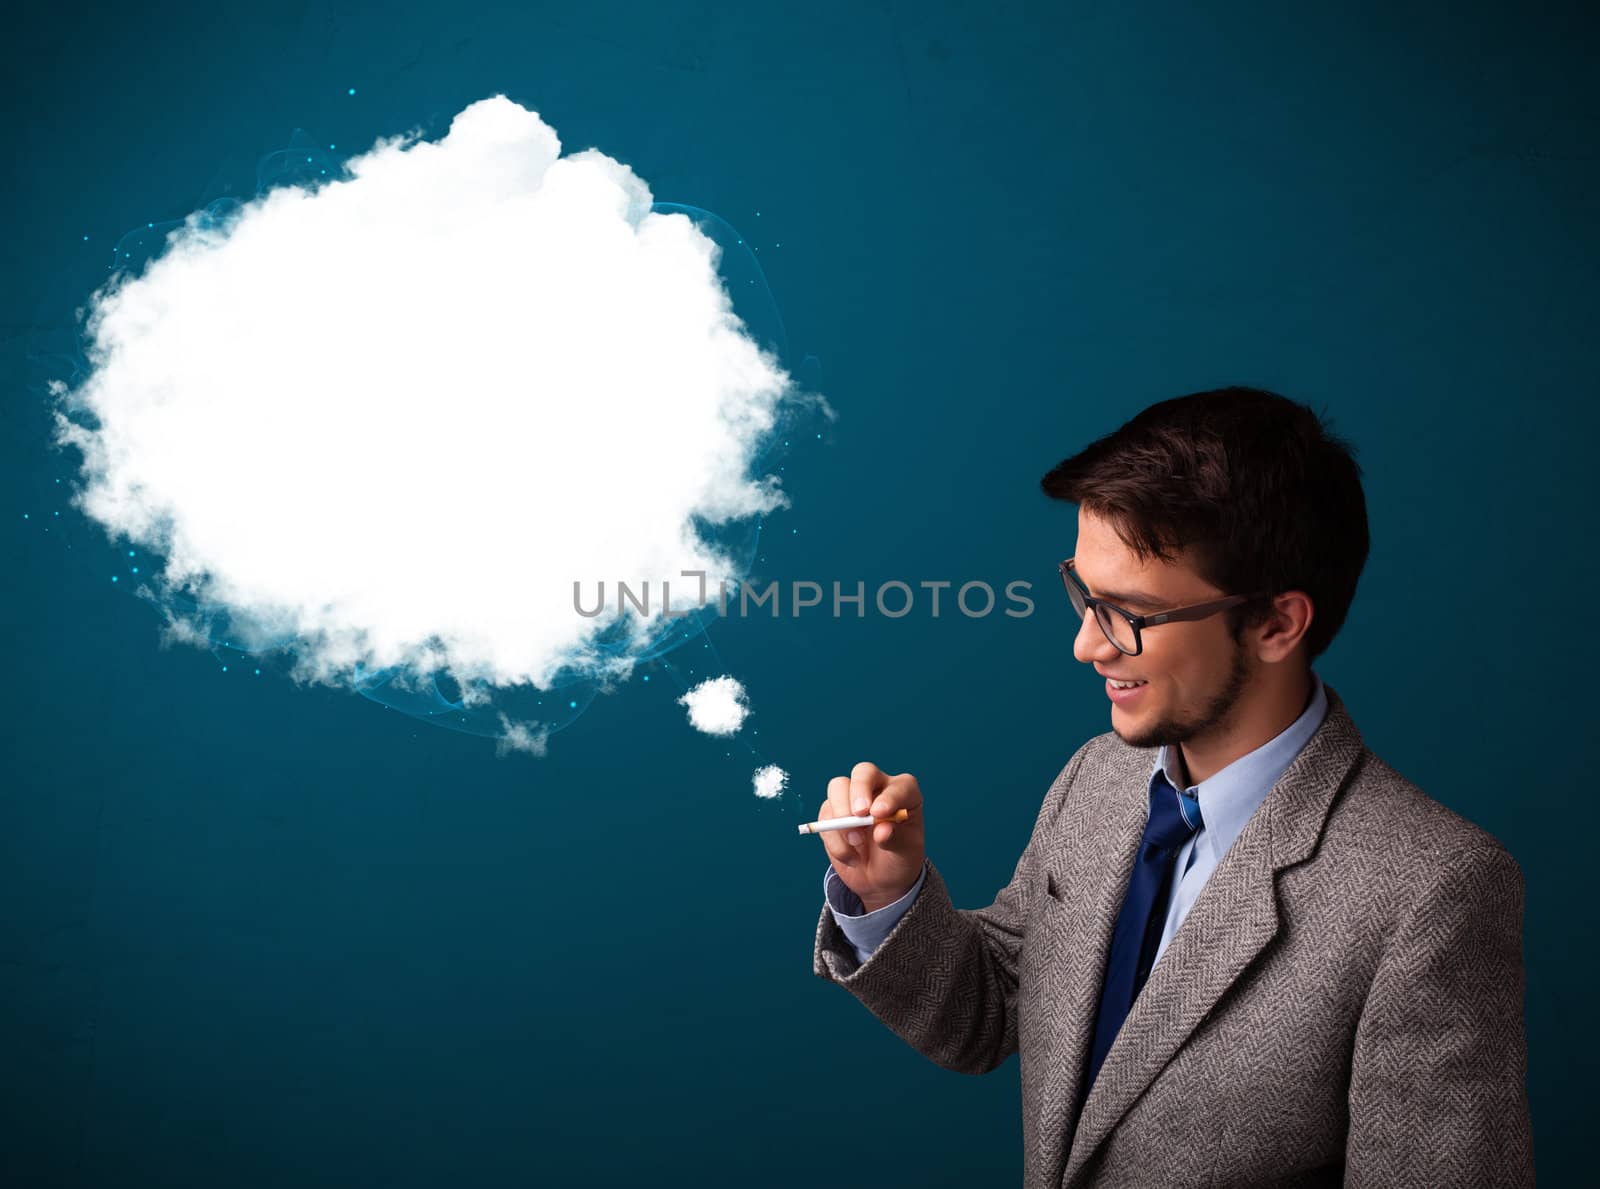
<point>1227,799</point>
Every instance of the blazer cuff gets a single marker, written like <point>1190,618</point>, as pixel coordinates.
<point>866,930</point>
<point>928,924</point>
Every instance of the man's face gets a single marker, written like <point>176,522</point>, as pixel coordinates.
<point>1193,673</point>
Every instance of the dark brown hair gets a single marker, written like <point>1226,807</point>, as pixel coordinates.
<point>1250,486</point>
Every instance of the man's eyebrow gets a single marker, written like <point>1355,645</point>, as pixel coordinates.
<point>1135,598</point>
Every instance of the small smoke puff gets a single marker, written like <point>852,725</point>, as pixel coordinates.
<point>388,421</point>
<point>716,706</point>
<point>770,781</point>
<point>529,738</point>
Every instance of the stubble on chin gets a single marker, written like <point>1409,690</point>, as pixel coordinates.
<point>1164,733</point>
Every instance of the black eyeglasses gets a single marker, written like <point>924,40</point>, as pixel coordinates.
<point>1123,628</point>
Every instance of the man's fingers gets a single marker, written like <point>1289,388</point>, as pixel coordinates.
<point>899,792</point>
<point>833,841</point>
<point>866,781</point>
<point>839,796</point>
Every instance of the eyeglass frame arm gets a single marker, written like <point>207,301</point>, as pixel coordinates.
<point>1194,611</point>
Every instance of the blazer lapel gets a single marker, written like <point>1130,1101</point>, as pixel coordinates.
<point>1232,921</point>
<point>1088,883</point>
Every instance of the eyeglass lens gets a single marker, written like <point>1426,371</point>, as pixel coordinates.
<point>1117,629</point>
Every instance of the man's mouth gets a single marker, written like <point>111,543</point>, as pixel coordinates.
<point>1124,692</point>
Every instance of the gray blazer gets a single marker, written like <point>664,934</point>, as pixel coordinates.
<point>1342,1005</point>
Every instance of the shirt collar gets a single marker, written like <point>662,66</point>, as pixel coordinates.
<point>1228,797</point>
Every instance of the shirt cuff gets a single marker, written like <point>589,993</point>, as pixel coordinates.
<point>866,930</point>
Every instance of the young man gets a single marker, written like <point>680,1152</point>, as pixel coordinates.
<point>1238,949</point>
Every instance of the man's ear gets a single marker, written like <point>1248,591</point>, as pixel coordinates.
<point>1284,627</point>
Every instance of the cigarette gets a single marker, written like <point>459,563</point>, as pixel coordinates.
<point>851,823</point>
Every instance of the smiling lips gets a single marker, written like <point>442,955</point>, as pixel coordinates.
<point>1122,692</point>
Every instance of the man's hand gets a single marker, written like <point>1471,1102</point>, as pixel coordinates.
<point>879,863</point>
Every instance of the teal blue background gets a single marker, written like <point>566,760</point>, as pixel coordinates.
<point>252,934</point>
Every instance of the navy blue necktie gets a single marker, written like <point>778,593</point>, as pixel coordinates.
<point>1173,820</point>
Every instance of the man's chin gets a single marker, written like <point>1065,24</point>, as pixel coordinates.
<point>1139,731</point>
<point>1126,726</point>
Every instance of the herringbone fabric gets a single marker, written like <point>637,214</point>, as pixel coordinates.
<point>1343,1005</point>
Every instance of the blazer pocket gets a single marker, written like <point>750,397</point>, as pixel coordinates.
<point>1050,917</point>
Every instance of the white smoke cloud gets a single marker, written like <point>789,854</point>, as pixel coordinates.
<point>391,420</point>
<point>717,706</point>
<point>770,781</point>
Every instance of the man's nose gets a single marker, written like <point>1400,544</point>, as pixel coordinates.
<point>1090,644</point>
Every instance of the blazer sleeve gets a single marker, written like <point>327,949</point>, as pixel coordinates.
<point>1438,1086</point>
<point>945,979</point>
